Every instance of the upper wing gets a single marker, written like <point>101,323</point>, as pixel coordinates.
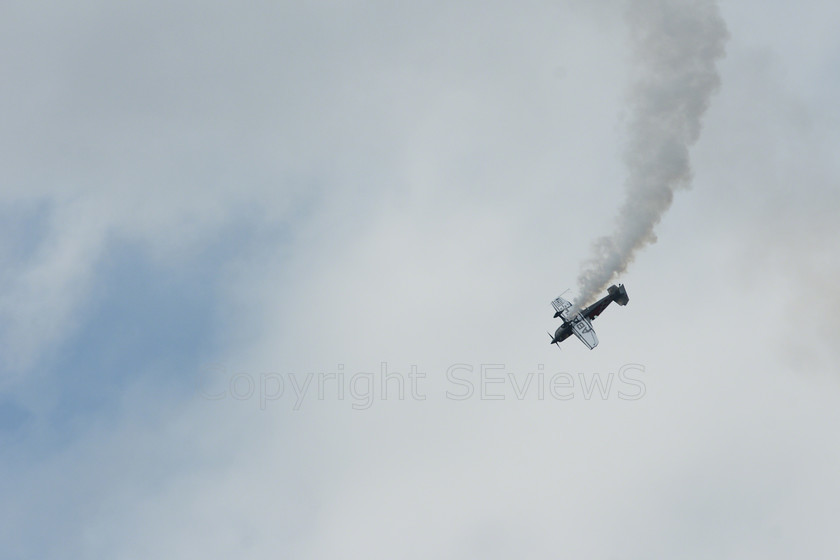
<point>561,306</point>
<point>582,328</point>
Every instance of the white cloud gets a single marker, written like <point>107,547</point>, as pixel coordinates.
<point>440,174</point>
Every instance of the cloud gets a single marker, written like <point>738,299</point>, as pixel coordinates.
<point>358,185</point>
<point>676,50</point>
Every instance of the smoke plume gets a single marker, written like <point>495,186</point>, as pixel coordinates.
<point>676,45</point>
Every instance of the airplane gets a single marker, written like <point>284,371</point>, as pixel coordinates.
<point>581,324</point>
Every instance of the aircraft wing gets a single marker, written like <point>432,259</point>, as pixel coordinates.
<point>582,328</point>
<point>561,306</point>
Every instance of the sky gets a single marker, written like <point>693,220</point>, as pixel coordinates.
<point>276,279</point>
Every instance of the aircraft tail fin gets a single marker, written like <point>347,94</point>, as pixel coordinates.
<point>618,294</point>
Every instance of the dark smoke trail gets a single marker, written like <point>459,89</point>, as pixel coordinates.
<point>676,44</point>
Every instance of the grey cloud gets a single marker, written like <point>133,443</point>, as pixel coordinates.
<point>676,49</point>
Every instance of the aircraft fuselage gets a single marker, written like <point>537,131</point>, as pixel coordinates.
<point>563,332</point>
